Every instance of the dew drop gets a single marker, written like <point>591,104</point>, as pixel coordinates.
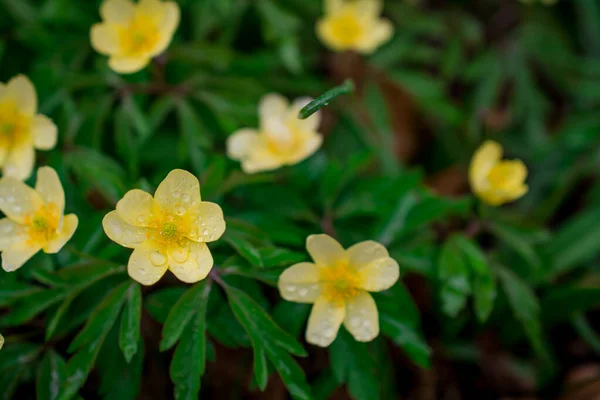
<point>291,288</point>
<point>157,258</point>
<point>205,232</point>
<point>303,292</point>
<point>328,333</point>
<point>355,322</point>
<point>180,255</point>
<point>176,194</point>
<point>143,271</point>
<point>141,219</point>
<point>211,237</point>
<point>186,197</point>
<point>180,211</point>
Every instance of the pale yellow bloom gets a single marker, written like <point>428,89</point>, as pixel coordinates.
<point>34,220</point>
<point>1,341</point>
<point>283,138</point>
<point>354,25</point>
<point>167,231</point>
<point>338,283</point>
<point>21,129</point>
<point>496,181</point>
<point>132,34</point>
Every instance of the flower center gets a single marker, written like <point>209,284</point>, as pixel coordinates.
<point>14,126</point>
<point>42,226</point>
<point>346,28</point>
<point>169,230</point>
<point>140,36</point>
<point>340,282</point>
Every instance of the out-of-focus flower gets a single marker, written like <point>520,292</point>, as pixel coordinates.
<point>21,129</point>
<point>1,341</point>
<point>282,139</point>
<point>354,25</point>
<point>496,181</point>
<point>167,231</point>
<point>338,283</point>
<point>34,220</point>
<point>132,34</point>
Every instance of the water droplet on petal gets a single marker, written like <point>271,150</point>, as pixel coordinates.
<point>180,211</point>
<point>205,232</point>
<point>291,288</point>
<point>303,292</point>
<point>157,258</point>
<point>176,194</point>
<point>186,197</point>
<point>180,255</point>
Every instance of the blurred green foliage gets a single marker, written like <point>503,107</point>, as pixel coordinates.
<point>526,76</point>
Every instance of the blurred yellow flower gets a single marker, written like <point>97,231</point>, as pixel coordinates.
<point>34,220</point>
<point>354,25</point>
<point>1,341</point>
<point>283,138</point>
<point>338,283</point>
<point>496,181</point>
<point>167,231</point>
<point>132,34</point>
<point>21,129</point>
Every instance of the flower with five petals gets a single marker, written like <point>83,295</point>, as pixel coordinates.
<point>167,231</point>
<point>34,220</point>
<point>338,282</point>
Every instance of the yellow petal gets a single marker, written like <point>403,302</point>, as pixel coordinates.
<point>122,233</point>
<point>196,266</point>
<point>20,161</point>
<point>381,32</point>
<point>272,105</point>
<point>49,188</point>
<point>170,20</point>
<point>21,90</point>
<point>104,38</point>
<point>241,143</point>
<point>128,65</point>
<point>379,275</point>
<point>484,159</point>
<point>4,150</point>
<point>329,37</point>
<point>44,133</point>
<point>324,322</point>
<point>142,269</point>
<point>17,200</point>
<point>211,223</point>
<point>507,175</point>
<point>69,226</point>
<point>10,232</point>
<point>333,6</point>
<point>309,145</point>
<point>325,250</point>
<point>117,11</point>
<point>362,318</point>
<point>300,283</point>
<point>18,254</point>
<point>362,254</point>
<point>369,8</point>
<point>179,192</point>
<point>261,160</point>
<point>135,208</point>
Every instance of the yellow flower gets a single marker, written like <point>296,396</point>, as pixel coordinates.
<point>496,181</point>
<point>167,231</point>
<point>21,129</point>
<point>283,138</point>
<point>1,341</point>
<point>34,220</point>
<point>132,34</point>
<point>354,25</point>
<point>338,283</point>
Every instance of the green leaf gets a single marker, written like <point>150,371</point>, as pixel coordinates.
<point>181,314</point>
<point>245,249</point>
<point>484,285</point>
<point>103,317</point>
<point>130,323</point>
<point>276,343</point>
<point>525,306</point>
<point>51,374</point>
<point>90,340</point>
<point>160,303</point>
<point>32,305</point>
<point>407,337</point>
<point>563,302</point>
<point>11,291</point>
<point>576,242</point>
<point>189,359</point>
<point>353,364</point>
<point>453,274</point>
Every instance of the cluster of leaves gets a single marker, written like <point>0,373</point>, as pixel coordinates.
<point>526,75</point>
